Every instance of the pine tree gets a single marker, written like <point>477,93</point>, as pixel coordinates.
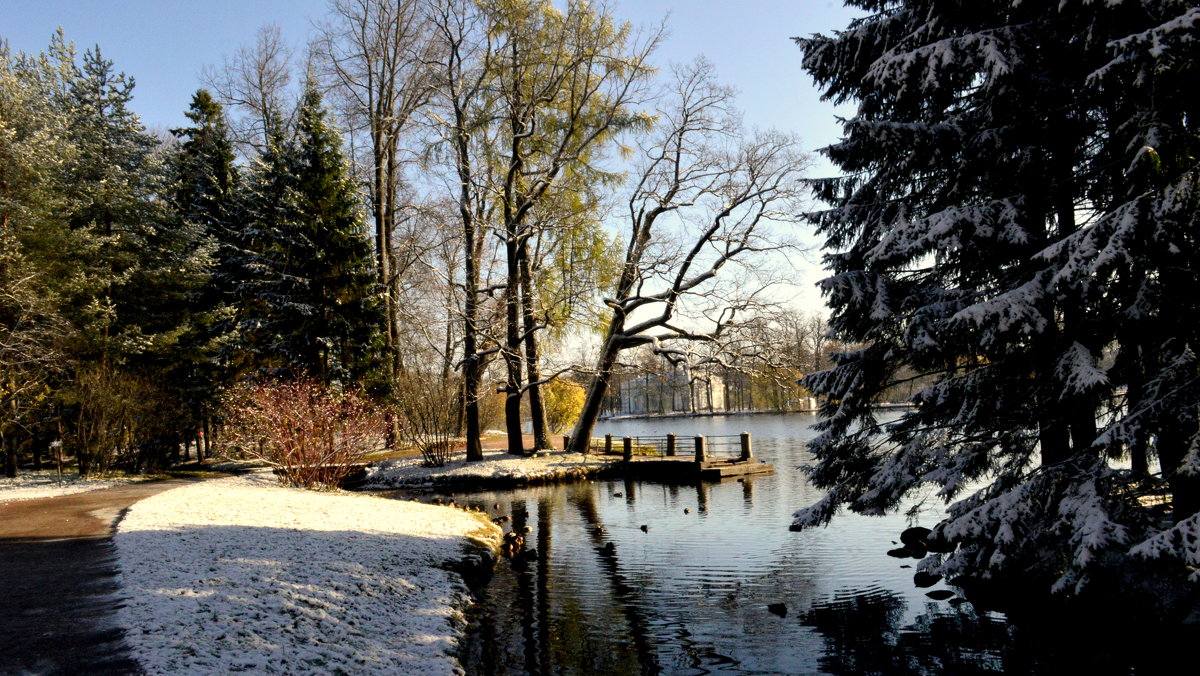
<point>139,272</point>
<point>959,241</point>
<point>84,210</point>
<point>33,148</point>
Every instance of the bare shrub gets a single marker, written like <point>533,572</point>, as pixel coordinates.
<point>428,406</point>
<point>310,433</point>
<point>491,410</point>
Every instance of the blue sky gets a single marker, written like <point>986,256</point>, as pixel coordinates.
<point>165,44</point>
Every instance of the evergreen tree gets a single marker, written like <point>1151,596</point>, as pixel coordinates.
<point>316,285</point>
<point>979,176</point>
<point>343,332</point>
<point>125,272</point>
<point>204,201</point>
<point>34,145</point>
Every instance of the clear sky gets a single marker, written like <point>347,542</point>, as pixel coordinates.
<point>164,45</point>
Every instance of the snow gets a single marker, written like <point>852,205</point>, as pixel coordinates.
<point>240,574</point>
<point>46,484</point>
<point>1181,541</point>
<point>497,465</point>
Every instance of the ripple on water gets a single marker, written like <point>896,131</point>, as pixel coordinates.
<point>691,594</point>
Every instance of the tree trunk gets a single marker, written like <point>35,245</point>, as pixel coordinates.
<point>39,438</point>
<point>512,348</point>
<point>383,245</point>
<point>472,368</point>
<point>537,410</point>
<point>207,429</point>
<point>582,435</point>
<point>1055,441</point>
<point>9,445</point>
<point>392,280</point>
<point>1172,446</point>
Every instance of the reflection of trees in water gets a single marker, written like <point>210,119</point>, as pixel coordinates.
<point>543,583</point>
<point>528,624</point>
<point>625,595</point>
<point>863,635</point>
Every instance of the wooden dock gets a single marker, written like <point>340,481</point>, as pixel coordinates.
<point>658,457</point>
<point>687,469</point>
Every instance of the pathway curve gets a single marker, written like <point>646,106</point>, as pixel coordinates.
<point>58,586</point>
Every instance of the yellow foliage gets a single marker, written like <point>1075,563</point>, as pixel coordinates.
<point>564,402</point>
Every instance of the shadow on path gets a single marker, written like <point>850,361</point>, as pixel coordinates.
<point>58,595</point>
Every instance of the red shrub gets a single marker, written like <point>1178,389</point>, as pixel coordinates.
<point>311,434</point>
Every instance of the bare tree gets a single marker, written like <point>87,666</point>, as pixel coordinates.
<point>377,54</point>
<point>255,81</point>
<point>719,194</point>
<point>463,101</point>
<point>428,407</point>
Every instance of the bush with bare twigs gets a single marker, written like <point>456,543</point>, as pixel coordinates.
<point>310,433</point>
<point>427,405</point>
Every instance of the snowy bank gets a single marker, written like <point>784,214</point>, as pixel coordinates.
<point>240,574</point>
<point>498,469</point>
<point>47,484</point>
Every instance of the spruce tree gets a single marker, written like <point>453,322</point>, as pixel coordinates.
<point>978,174</point>
<point>204,200</point>
<point>318,288</point>
<point>345,329</point>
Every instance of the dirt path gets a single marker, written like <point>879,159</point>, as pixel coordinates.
<point>58,583</point>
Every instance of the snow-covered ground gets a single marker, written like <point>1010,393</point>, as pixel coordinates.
<point>242,575</point>
<point>497,466</point>
<point>46,484</point>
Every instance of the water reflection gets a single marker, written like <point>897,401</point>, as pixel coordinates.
<point>864,634</point>
<point>688,595</point>
<point>691,593</point>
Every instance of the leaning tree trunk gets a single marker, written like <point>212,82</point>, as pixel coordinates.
<point>581,436</point>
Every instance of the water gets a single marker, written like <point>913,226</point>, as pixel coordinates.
<point>694,592</point>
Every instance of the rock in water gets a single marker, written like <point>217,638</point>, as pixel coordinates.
<point>914,537</point>
<point>779,609</point>
<point>939,594</point>
<point>900,553</point>
<point>923,579</point>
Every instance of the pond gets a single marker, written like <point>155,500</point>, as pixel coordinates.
<point>645,578</point>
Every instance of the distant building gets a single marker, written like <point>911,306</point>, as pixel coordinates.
<point>676,391</point>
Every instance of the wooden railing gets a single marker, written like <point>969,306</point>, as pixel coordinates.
<point>703,448</point>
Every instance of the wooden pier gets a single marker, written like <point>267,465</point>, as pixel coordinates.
<point>659,457</point>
